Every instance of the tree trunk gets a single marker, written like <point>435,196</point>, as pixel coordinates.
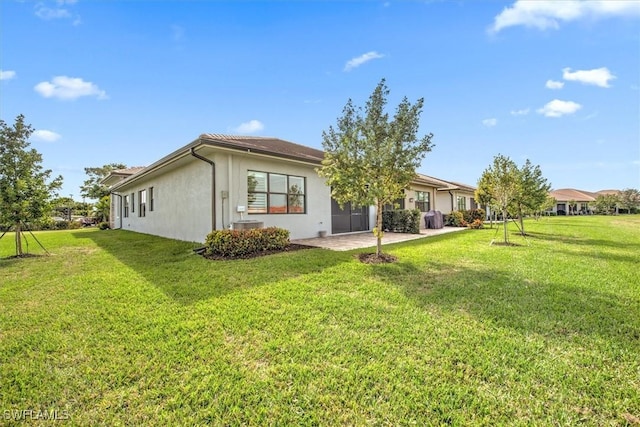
<point>520,216</point>
<point>505,224</point>
<point>379,228</point>
<point>18,240</point>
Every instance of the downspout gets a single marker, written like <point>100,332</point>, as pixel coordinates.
<point>120,209</point>
<point>451,194</point>
<point>213,185</point>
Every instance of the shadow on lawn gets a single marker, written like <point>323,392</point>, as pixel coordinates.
<point>512,301</point>
<point>173,267</point>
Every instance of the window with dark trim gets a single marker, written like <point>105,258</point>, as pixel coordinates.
<point>275,193</point>
<point>126,206</point>
<point>133,203</point>
<point>150,199</point>
<point>423,201</point>
<point>142,200</point>
<point>462,203</point>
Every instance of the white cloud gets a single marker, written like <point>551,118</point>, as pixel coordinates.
<point>7,75</point>
<point>522,112</point>
<point>544,14</point>
<point>558,108</point>
<point>64,87</point>
<point>490,122</point>
<point>45,136</point>
<point>552,84</point>
<point>251,126</point>
<point>597,76</point>
<point>47,13</point>
<point>359,60</point>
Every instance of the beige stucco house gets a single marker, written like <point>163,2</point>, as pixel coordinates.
<point>225,181</point>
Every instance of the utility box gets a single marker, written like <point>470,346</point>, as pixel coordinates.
<point>247,225</point>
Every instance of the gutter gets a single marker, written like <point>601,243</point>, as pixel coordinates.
<point>213,185</point>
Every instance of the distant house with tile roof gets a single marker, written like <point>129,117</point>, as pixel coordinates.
<point>227,181</point>
<point>583,200</point>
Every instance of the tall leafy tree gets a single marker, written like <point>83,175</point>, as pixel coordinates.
<point>369,158</point>
<point>607,204</point>
<point>92,189</point>
<point>532,192</point>
<point>26,189</point>
<point>500,183</point>
<point>630,199</point>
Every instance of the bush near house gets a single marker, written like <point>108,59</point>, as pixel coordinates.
<point>237,243</point>
<point>401,221</point>
<point>472,218</point>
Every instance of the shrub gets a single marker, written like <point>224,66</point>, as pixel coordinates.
<point>476,224</point>
<point>237,243</point>
<point>455,219</point>
<point>471,215</point>
<point>104,226</point>
<point>401,221</point>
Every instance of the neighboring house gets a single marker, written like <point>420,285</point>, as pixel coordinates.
<point>583,200</point>
<point>223,181</point>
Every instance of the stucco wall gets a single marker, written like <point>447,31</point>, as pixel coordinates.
<point>182,198</point>
<point>182,203</point>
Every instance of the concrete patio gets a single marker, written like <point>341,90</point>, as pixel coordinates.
<point>366,239</point>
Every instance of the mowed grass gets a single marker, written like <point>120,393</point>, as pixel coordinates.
<point>118,328</point>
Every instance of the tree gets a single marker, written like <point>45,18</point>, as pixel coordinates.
<point>548,204</point>
<point>630,199</point>
<point>369,159</point>
<point>103,208</point>
<point>500,182</point>
<point>607,204</point>
<point>572,204</point>
<point>25,188</point>
<point>533,190</point>
<point>92,189</point>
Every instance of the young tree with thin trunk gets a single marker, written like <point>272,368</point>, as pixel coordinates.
<point>501,183</point>
<point>369,158</point>
<point>25,188</point>
<point>532,192</point>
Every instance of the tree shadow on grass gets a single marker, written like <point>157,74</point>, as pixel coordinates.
<point>173,267</point>
<point>616,244</point>
<point>513,301</point>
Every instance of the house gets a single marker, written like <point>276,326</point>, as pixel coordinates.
<point>570,201</point>
<point>225,181</point>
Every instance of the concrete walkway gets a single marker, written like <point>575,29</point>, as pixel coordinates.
<point>366,239</point>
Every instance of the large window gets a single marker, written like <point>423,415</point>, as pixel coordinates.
<point>462,203</point>
<point>126,206</point>
<point>423,202</point>
<point>142,200</point>
<point>275,193</point>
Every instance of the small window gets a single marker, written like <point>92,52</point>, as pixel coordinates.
<point>126,206</point>
<point>133,203</point>
<point>462,203</point>
<point>423,202</point>
<point>150,199</point>
<point>142,200</point>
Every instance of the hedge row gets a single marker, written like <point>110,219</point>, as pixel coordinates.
<point>401,221</point>
<point>235,243</point>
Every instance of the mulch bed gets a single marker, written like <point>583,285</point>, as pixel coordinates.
<point>375,259</point>
<point>290,248</point>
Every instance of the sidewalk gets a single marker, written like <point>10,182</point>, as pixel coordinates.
<point>366,239</point>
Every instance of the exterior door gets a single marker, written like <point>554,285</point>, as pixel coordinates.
<point>348,219</point>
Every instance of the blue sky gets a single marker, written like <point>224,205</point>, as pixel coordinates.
<point>557,82</point>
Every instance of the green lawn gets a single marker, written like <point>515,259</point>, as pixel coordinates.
<point>118,328</point>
